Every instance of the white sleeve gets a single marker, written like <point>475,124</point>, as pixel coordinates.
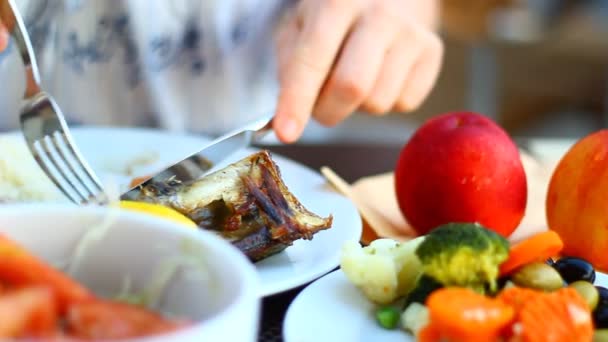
<point>196,65</point>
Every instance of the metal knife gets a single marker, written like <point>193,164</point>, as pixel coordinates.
<point>199,163</point>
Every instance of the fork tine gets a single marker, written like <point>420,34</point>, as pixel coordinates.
<point>43,157</point>
<point>101,196</point>
<point>77,167</point>
<point>71,145</point>
<point>49,148</point>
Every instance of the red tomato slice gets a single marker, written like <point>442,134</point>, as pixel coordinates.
<point>28,312</point>
<point>102,319</point>
<point>20,268</point>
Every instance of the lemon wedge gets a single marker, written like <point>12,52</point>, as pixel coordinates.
<point>158,211</point>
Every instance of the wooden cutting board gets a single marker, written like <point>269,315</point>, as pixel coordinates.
<point>377,202</point>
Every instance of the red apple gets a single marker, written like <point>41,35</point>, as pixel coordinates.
<point>577,200</point>
<point>461,167</point>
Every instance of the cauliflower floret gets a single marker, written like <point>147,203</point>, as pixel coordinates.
<point>385,270</point>
<point>415,318</point>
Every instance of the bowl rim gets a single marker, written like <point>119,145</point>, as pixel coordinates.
<point>249,292</point>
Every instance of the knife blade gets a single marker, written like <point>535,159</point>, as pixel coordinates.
<point>198,164</point>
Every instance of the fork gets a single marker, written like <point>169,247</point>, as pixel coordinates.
<point>45,129</point>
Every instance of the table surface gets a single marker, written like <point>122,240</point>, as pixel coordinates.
<point>349,161</point>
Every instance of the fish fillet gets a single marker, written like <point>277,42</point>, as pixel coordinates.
<point>246,202</point>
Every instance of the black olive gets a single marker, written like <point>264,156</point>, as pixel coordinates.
<point>600,317</point>
<point>573,269</point>
<point>550,262</point>
<point>502,281</point>
<point>603,296</point>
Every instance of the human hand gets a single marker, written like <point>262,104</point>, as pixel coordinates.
<point>338,56</point>
<point>4,35</point>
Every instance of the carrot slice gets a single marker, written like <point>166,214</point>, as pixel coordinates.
<point>538,247</point>
<point>560,316</point>
<point>430,333</point>
<point>28,312</point>
<point>105,320</point>
<point>460,314</point>
<point>21,269</point>
<point>516,297</point>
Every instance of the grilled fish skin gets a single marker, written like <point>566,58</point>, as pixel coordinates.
<point>246,202</point>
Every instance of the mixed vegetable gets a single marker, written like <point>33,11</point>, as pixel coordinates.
<point>38,301</point>
<point>385,270</point>
<point>463,282</point>
<point>463,255</point>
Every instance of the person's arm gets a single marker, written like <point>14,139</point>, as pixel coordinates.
<point>338,56</point>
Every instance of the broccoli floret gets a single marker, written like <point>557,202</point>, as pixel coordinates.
<point>424,287</point>
<point>463,254</point>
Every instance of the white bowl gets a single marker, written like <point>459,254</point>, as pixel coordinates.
<point>223,300</point>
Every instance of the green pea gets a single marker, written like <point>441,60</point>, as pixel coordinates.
<point>388,317</point>
<point>588,292</point>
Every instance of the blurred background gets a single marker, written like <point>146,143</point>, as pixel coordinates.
<point>538,67</point>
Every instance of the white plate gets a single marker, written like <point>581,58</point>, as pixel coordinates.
<point>344,315</point>
<point>111,150</point>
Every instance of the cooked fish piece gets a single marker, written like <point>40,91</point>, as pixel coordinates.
<point>247,203</point>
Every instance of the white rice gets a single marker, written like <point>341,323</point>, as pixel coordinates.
<point>21,179</point>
